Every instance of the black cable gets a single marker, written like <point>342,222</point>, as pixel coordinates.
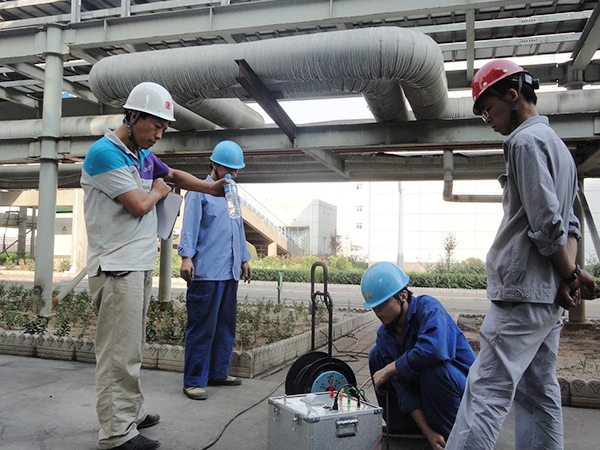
<point>238,415</point>
<point>350,354</point>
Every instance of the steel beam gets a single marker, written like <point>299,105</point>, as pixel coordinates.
<point>513,42</point>
<point>357,136</point>
<point>258,16</point>
<point>252,83</point>
<point>35,72</point>
<point>16,97</point>
<point>589,41</point>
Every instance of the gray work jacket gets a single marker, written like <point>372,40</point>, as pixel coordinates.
<point>539,188</point>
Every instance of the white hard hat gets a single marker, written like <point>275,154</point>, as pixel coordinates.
<point>153,99</point>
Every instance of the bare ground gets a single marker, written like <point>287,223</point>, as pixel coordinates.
<point>578,353</point>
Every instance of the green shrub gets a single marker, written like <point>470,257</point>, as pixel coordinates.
<point>338,263</point>
<point>594,269</point>
<point>447,280</point>
<point>303,275</point>
<point>64,264</point>
<point>9,263</point>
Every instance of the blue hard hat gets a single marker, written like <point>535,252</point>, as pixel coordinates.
<point>380,282</point>
<point>228,154</point>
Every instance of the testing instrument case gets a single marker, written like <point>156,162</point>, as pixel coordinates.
<point>307,422</point>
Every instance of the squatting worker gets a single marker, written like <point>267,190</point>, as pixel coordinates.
<point>420,360</point>
<point>531,272</point>
<point>123,181</point>
<point>213,256</point>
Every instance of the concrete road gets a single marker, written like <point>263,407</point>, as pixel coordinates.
<point>456,301</point>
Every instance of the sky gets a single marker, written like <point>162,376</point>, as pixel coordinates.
<point>355,108</point>
<point>428,194</point>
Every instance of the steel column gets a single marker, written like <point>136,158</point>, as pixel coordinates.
<point>577,313</point>
<point>166,267</point>
<point>51,114</point>
<point>22,232</point>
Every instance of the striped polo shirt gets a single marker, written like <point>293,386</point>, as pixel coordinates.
<point>118,241</point>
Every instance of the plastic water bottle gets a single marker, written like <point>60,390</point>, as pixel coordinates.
<point>231,195</point>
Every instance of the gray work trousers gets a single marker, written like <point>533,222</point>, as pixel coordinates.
<point>516,365</point>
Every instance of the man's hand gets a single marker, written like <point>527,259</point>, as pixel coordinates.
<point>161,187</point>
<point>187,269</point>
<point>567,296</point>
<point>436,440</point>
<point>587,283</point>
<point>381,377</point>
<point>216,188</point>
<point>246,272</point>
<point>570,294</point>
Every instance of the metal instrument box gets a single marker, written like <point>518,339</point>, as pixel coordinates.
<point>307,422</point>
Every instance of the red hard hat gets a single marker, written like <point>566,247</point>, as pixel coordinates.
<point>489,74</point>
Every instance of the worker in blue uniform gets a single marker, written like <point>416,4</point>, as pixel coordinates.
<point>420,360</point>
<point>213,258</point>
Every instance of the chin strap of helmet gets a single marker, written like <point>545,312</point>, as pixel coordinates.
<point>396,321</point>
<point>521,79</point>
<point>513,116</point>
<point>130,128</point>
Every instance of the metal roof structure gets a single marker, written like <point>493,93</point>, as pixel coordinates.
<point>467,32</point>
<point>48,49</point>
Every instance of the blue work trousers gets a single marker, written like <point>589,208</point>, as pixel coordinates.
<point>210,333</point>
<point>440,388</point>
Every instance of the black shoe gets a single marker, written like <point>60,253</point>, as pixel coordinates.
<point>149,421</point>
<point>229,381</point>
<point>139,443</point>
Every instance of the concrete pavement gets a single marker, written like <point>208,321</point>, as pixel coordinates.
<point>50,405</point>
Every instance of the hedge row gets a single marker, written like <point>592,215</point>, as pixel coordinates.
<point>448,280</point>
<point>417,279</point>
<point>303,276</point>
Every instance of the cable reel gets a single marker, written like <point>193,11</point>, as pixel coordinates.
<point>318,371</point>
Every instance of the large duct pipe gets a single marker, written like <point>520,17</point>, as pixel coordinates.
<point>379,63</point>
<point>549,103</point>
<point>566,102</point>
<point>94,125</point>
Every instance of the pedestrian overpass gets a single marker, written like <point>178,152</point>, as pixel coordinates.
<point>268,238</point>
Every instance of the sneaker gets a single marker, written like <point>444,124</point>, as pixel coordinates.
<point>195,393</point>
<point>149,421</point>
<point>138,443</point>
<point>229,381</point>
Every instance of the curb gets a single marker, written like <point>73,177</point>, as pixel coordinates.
<point>246,364</point>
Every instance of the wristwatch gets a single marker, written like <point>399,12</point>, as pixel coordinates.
<point>574,275</point>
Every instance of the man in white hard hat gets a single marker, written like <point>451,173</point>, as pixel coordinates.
<point>123,181</point>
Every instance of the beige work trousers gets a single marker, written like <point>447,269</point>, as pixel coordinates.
<point>122,303</point>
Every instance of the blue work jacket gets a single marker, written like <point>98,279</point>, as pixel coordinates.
<point>431,337</point>
<point>215,242</point>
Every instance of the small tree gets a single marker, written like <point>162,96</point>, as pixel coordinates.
<point>335,243</point>
<point>450,243</point>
